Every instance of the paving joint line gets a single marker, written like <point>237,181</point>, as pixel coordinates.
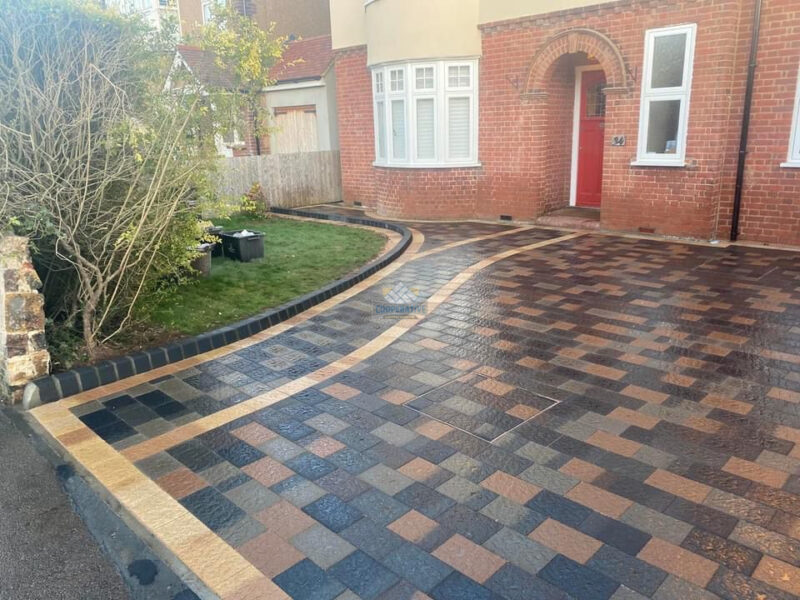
<point>216,565</point>
<point>411,255</point>
<point>383,340</point>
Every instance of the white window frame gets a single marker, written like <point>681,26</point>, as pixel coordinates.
<point>425,94</point>
<point>793,157</point>
<point>468,92</point>
<point>650,94</point>
<point>392,96</point>
<point>207,5</point>
<point>379,96</point>
<point>440,94</point>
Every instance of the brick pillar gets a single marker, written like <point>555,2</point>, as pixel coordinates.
<point>23,351</point>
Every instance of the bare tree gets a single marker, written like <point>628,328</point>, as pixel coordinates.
<point>97,163</point>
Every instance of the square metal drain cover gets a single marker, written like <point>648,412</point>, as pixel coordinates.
<point>481,406</point>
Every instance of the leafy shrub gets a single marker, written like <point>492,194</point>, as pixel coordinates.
<point>254,203</point>
<point>99,166</point>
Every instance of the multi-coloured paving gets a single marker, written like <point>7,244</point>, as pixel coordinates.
<point>574,416</point>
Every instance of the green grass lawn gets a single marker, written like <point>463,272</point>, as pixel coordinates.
<point>299,257</point>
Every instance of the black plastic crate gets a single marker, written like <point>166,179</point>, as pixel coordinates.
<point>244,248</point>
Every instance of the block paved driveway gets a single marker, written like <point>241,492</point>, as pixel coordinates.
<point>577,416</point>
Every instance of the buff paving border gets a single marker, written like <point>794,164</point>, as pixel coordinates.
<point>71,383</point>
<point>82,384</point>
<point>224,572</point>
<point>413,253</point>
<point>247,407</point>
<point>668,469</point>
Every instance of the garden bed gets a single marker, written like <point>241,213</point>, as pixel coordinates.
<point>300,256</point>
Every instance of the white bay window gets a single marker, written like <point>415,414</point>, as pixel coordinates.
<point>428,111</point>
<point>666,90</point>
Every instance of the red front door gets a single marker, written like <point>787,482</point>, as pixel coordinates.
<point>591,132</point>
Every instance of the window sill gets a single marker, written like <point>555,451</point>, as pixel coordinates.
<point>470,165</point>
<point>659,163</point>
<point>791,164</point>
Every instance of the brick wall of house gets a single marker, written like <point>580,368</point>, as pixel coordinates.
<point>771,197</point>
<point>666,200</point>
<point>426,193</point>
<point>356,126</point>
<point>251,144</point>
<point>304,18</point>
<point>526,138</point>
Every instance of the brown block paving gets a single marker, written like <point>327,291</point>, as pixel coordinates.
<point>575,417</point>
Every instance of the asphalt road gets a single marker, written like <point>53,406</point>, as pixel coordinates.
<point>46,551</point>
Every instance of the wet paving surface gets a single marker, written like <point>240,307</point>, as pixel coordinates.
<point>602,417</point>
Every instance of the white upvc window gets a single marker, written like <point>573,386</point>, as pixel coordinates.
<point>793,159</point>
<point>426,114</point>
<point>666,90</point>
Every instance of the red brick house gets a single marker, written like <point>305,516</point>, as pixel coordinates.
<point>516,108</point>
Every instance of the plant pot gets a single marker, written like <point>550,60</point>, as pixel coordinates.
<point>243,247</point>
<point>202,264</point>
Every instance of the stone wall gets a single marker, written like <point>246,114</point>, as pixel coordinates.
<point>23,351</point>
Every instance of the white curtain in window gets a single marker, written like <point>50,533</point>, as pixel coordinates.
<point>426,129</point>
<point>380,116</point>
<point>398,129</point>
<point>458,127</point>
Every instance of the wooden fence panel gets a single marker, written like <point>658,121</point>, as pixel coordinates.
<point>288,180</point>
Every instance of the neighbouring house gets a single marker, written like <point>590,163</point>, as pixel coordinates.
<point>153,11</point>
<point>302,101</point>
<point>292,18</point>
<point>518,108</point>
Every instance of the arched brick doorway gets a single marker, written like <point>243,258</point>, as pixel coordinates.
<point>569,81</point>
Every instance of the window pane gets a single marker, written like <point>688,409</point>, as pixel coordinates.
<point>397,80</point>
<point>458,110</point>
<point>458,76</point>
<point>662,126</point>
<point>596,101</point>
<point>381,121</point>
<point>426,132</point>
<point>379,82</point>
<point>425,78</point>
<point>399,129</point>
<point>669,55</point>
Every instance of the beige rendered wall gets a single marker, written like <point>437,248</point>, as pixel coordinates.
<point>407,29</point>
<point>501,10</point>
<point>401,29</point>
<point>413,29</point>
<point>348,25</point>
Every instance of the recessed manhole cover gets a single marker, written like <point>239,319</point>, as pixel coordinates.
<point>482,406</point>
